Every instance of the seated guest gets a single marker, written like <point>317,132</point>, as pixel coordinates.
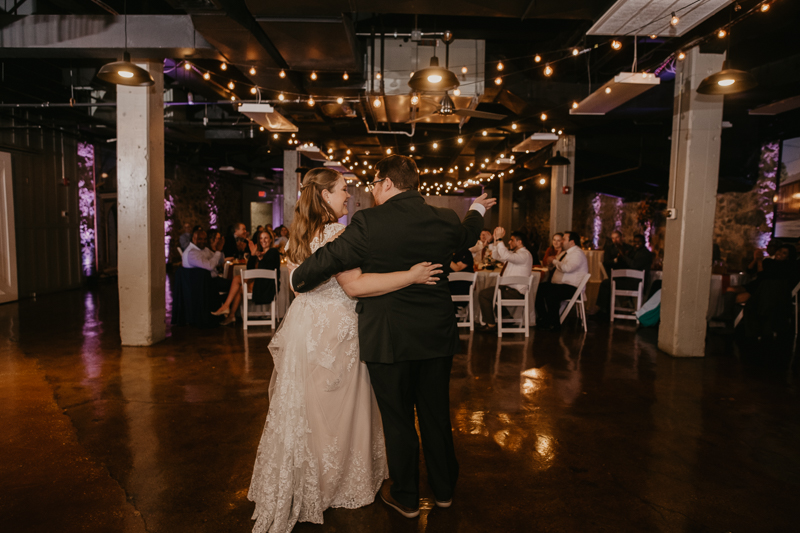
<point>198,256</point>
<point>638,258</point>
<point>614,250</point>
<point>518,262</point>
<point>570,268</point>
<point>554,250</point>
<point>186,237</point>
<point>461,262</point>
<point>239,232</point>
<point>480,248</point>
<point>281,237</point>
<point>262,256</point>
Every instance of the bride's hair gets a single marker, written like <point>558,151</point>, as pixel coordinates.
<point>311,212</point>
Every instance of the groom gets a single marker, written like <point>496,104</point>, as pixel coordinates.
<point>408,337</point>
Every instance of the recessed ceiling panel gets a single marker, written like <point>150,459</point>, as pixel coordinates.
<point>314,44</point>
<point>652,17</point>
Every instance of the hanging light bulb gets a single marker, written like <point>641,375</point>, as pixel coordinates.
<point>674,20</point>
<point>653,36</point>
<point>498,81</point>
<point>722,33</point>
<point>261,128</point>
<point>681,56</point>
<point>233,98</point>
<point>253,90</point>
<point>413,148</point>
<point>608,90</point>
<point>206,76</point>
<point>378,76</point>
<point>348,152</point>
<point>231,85</point>
<point>537,58</point>
<point>376,103</point>
<point>281,97</point>
<point>313,76</point>
<point>575,51</point>
<point>500,66</point>
<point>548,71</point>
<point>616,45</point>
<point>574,105</point>
<point>282,73</point>
<point>542,181</point>
<point>765,7</point>
<point>460,140</point>
<point>187,65</point>
<point>463,70</point>
<point>484,133</point>
<point>274,135</point>
<point>388,151</point>
<point>340,100</point>
<point>435,146</point>
<point>311,101</point>
<point>543,116</point>
<point>513,126</point>
<point>252,71</point>
<point>456,92</point>
<point>414,99</point>
<point>223,66</point>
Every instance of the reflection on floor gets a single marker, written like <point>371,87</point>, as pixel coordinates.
<point>556,432</point>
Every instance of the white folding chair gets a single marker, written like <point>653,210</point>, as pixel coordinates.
<point>626,313</point>
<point>251,310</point>
<point>469,298</point>
<point>578,298</point>
<point>524,302</point>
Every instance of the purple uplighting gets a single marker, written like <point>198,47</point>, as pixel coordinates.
<point>213,210</point>
<point>767,185</point>
<point>597,222</point>
<point>86,206</point>
<point>169,207</point>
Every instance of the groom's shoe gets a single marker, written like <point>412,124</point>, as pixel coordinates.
<point>386,496</point>
<point>444,504</point>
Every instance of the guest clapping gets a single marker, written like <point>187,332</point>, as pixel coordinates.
<point>570,268</point>
<point>554,250</point>
<point>281,237</point>
<point>518,262</point>
<point>262,256</point>
<point>481,247</point>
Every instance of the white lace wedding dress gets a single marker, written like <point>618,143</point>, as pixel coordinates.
<point>322,445</point>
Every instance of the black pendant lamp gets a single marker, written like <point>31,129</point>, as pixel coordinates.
<point>124,72</point>
<point>727,81</point>
<point>433,78</point>
<point>557,160</point>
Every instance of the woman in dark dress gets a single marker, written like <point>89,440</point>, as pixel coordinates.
<point>262,256</point>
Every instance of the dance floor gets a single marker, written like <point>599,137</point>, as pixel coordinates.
<point>558,432</point>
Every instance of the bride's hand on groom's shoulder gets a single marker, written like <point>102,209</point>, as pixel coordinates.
<point>425,273</point>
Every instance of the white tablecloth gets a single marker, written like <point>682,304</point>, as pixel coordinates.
<point>716,296</point>
<point>489,280</point>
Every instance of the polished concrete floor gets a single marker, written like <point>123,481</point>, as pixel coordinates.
<point>558,432</point>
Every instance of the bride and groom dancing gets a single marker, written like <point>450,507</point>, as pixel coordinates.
<point>350,374</point>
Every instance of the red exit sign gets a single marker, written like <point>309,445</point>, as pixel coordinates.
<point>262,194</point>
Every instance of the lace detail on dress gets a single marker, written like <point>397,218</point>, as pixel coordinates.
<point>322,445</point>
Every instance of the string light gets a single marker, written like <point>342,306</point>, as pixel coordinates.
<point>542,181</point>
<point>498,81</point>
<point>456,92</point>
<point>206,76</point>
<point>520,187</point>
<point>548,70</point>
<point>575,51</point>
<point>345,76</point>
<point>378,76</point>
<point>463,70</point>
<point>231,85</point>
<point>616,45</point>
<point>537,58</point>
<point>674,20</point>
<point>413,148</point>
<point>282,73</point>
<point>376,103</point>
<point>274,135</point>
<point>484,133</point>
<point>340,100</point>
<point>313,76</point>
<point>187,65</point>
<point>608,90</point>
<point>253,90</point>
<point>500,66</point>
<point>543,116</point>
<point>348,152</point>
<point>252,71</point>
<point>460,140</point>
<point>281,97</point>
<point>560,132</point>
<point>513,126</point>
<point>414,99</point>
<point>765,7</point>
<point>261,128</point>
<point>435,146</point>
<point>574,105</point>
<point>233,98</point>
<point>722,33</point>
<point>681,56</point>
<point>223,66</point>
<point>654,36</point>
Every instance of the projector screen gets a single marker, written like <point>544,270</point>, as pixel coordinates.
<point>787,224</point>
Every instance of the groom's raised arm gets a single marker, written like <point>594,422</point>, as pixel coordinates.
<point>348,251</point>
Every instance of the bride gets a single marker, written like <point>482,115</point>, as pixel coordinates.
<point>322,445</point>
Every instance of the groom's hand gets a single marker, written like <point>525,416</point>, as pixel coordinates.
<point>484,201</point>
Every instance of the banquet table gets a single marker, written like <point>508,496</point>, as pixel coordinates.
<point>488,278</point>
<point>719,286</point>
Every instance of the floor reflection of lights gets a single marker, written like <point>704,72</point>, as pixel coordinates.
<point>471,422</point>
<point>545,452</point>
<point>532,380</point>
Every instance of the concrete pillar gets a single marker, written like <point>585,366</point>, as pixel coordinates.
<point>291,184</point>
<point>140,210</point>
<point>560,177</point>
<point>505,205</point>
<point>696,128</point>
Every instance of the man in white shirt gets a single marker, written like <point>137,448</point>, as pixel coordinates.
<point>569,269</point>
<point>518,262</point>
<point>198,256</point>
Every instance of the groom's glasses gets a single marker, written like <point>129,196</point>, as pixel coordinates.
<point>372,185</point>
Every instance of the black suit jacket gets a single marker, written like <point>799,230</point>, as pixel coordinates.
<point>414,323</point>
